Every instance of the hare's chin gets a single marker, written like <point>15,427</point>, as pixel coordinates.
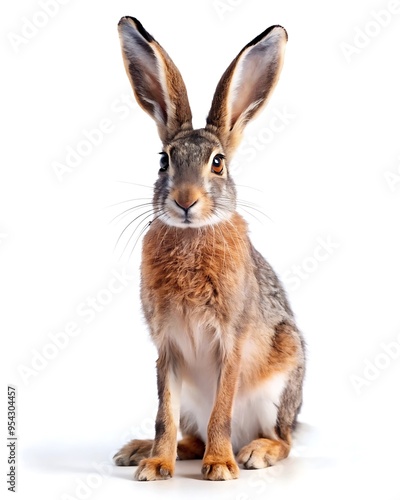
<point>195,222</point>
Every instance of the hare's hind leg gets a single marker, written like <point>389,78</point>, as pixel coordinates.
<point>262,452</point>
<point>272,444</point>
<point>191,448</point>
<point>133,452</point>
<point>268,450</point>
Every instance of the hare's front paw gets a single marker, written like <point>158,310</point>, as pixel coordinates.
<point>219,469</point>
<point>155,468</point>
<point>133,452</point>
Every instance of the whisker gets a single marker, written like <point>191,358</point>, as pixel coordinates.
<point>126,227</point>
<point>135,184</point>
<point>136,228</point>
<point>138,238</point>
<point>251,207</point>
<point>246,204</point>
<point>126,201</point>
<point>259,212</point>
<point>132,209</point>
<point>252,215</point>
<point>249,187</point>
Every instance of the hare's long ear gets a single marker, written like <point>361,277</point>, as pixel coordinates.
<point>156,81</point>
<point>246,86</point>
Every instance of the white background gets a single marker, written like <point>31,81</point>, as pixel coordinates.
<point>329,175</point>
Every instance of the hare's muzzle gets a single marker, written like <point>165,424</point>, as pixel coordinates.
<point>184,199</point>
<point>186,206</point>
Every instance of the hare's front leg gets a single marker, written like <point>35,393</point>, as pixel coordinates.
<point>219,461</point>
<point>161,463</point>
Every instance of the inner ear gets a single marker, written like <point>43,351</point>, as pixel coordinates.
<point>143,68</point>
<point>255,72</point>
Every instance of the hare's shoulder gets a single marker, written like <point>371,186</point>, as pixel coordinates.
<point>271,289</point>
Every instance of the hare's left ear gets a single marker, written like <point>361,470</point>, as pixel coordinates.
<point>246,86</point>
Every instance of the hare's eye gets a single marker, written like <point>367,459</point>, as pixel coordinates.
<point>164,162</point>
<point>217,166</point>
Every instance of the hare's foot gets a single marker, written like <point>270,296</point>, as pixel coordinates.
<point>219,468</point>
<point>133,452</point>
<point>262,453</point>
<point>154,469</point>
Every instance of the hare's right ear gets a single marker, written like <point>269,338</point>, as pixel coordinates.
<point>246,85</point>
<point>156,81</point>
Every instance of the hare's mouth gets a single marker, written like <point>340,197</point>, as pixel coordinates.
<point>184,220</point>
<point>183,213</point>
<point>195,218</point>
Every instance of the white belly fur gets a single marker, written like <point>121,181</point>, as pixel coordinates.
<point>254,411</point>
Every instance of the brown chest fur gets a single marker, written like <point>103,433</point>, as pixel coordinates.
<point>192,268</point>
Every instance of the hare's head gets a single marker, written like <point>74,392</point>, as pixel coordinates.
<point>194,188</point>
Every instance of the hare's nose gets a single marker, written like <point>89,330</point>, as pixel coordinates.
<point>185,205</point>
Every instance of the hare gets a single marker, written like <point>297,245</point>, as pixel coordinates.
<point>231,360</point>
